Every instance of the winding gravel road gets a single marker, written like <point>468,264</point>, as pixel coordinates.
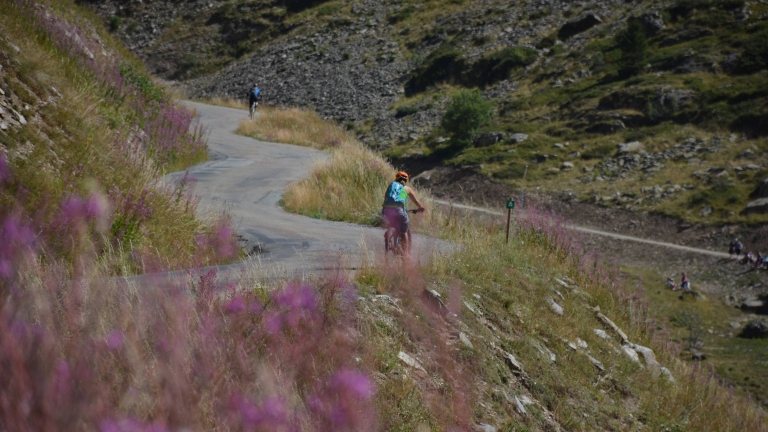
<point>248,177</point>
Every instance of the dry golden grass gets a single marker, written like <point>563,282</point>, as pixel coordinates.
<point>348,187</point>
<point>295,126</point>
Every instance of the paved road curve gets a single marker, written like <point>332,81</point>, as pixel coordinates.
<point>248,177</point>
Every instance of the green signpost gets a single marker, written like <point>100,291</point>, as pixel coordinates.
<point>510,206</point>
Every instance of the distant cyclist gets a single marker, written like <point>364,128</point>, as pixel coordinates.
<point>254,96</point>
<point>394,210</point>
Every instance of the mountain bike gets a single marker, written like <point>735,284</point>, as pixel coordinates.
<point>396,241</point>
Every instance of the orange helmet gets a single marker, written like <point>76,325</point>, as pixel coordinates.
<point>401,175</point>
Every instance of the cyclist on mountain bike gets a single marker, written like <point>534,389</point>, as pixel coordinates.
<point>394,210</point>
<point>254,96</point>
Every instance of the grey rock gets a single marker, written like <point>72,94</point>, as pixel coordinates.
<point>752,304</point>
<point>596,363</point>
<point>746,154</point>
<point>484,427</point>
<point>755,330</point>
<point>567,166</point>
<point>556,308</point>
<point>634,146</point>
<point>518,138</point>
<point>465,340</point>
<point>602,334</point>
<point>520,406</point>
<point>631,353</point>
<point>667,374</point>
<point>649,357</point>
<point>411,362</point>
<point>762,190</point>
<point>652,23</point>
<point>489,138</point>
<point>757,206</point>
<point>706,211</point>
<point>514,365</point>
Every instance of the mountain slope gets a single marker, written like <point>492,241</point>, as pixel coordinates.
<point>85,134</point>
<point>389,69</point>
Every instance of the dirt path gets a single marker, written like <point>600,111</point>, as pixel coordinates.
<point>598,232</point>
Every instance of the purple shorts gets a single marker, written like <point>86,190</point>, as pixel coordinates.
<point>395,217</point>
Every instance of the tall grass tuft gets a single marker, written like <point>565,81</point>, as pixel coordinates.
<point>295,126</point>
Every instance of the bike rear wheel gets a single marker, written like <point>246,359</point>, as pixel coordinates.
<point>252,110</point>
<point>395,242</point>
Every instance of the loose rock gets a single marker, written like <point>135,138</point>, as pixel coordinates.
<point>755,330</point>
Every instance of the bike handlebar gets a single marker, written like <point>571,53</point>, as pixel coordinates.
<point>415,211</point>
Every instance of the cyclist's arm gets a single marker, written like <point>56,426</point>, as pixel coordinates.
<point>412,196</point>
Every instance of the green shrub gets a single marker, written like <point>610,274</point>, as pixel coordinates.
<point>701,197</point>
<point>406,110</point>
<point>541,13</point>
<point>114,23</point>
<point>142,82</point>
<point>328,9</point>
<point>467,112</point>
<point>599,152</point>
<point>512,171</point>
<point>754,58</point>
<point>401,15</point>
<point>634,48</point>
<point>496,66</point>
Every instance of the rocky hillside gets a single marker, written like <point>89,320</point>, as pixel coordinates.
<point>678,125</point>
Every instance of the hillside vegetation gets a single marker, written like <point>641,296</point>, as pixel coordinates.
<point>530,335</point>
<point>685,79</point>
<point>85,135</point>
<point>505,336</point>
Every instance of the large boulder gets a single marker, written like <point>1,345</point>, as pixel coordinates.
<point>489,138</point>
<point>757,206</point>
<point>518,137</point>
<point>630,147</point>
<point>581,24</point>
<point>762,190</point>
<point>755,330</point>
<point>755,305</point>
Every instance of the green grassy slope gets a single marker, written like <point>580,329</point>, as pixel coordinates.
<point>94,125</point>
<point>703,76</point>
